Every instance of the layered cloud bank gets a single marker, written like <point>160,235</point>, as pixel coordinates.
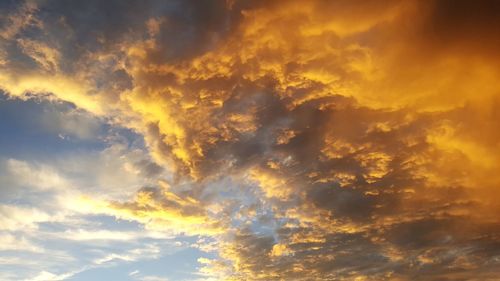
<point>305,140</point>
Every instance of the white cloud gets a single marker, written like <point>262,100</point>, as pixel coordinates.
<point>84,235</point>
<point>16,218</point>
<point>39,214</point>
<point>43,225</point>
<point>48,276</point>
<point>151,251</point>
<point>36,176</point>
<point>114,257</point>
<point>73,122</point>
<point>141,277</point>
<point>9,242</point>
<point>152,278</point>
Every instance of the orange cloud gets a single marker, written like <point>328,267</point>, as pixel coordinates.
<point>364,134</point>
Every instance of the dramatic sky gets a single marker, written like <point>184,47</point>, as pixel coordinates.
<point>249,140</point>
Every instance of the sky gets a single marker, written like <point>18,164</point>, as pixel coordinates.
<point>249,140</point>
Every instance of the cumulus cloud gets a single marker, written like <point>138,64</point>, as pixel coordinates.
<point>336,140</point>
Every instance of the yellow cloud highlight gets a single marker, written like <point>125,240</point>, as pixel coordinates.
<point>68,89</point>
<point>164,211</point>
<point>271,184</point>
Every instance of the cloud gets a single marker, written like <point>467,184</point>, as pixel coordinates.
<point>336,140</point>
<point>19,218</point>
<point>161,209</point>
<point>25,174</point>
<point>152,278</point>
<point>107,235</point>
<point>13,243</point>
<point>47,276</point>
<point>138,276</point>
<point>39,225</point>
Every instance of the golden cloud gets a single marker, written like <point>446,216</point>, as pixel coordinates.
<point>368,130</point>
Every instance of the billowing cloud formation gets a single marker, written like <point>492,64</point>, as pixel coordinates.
<point>335,140</point>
